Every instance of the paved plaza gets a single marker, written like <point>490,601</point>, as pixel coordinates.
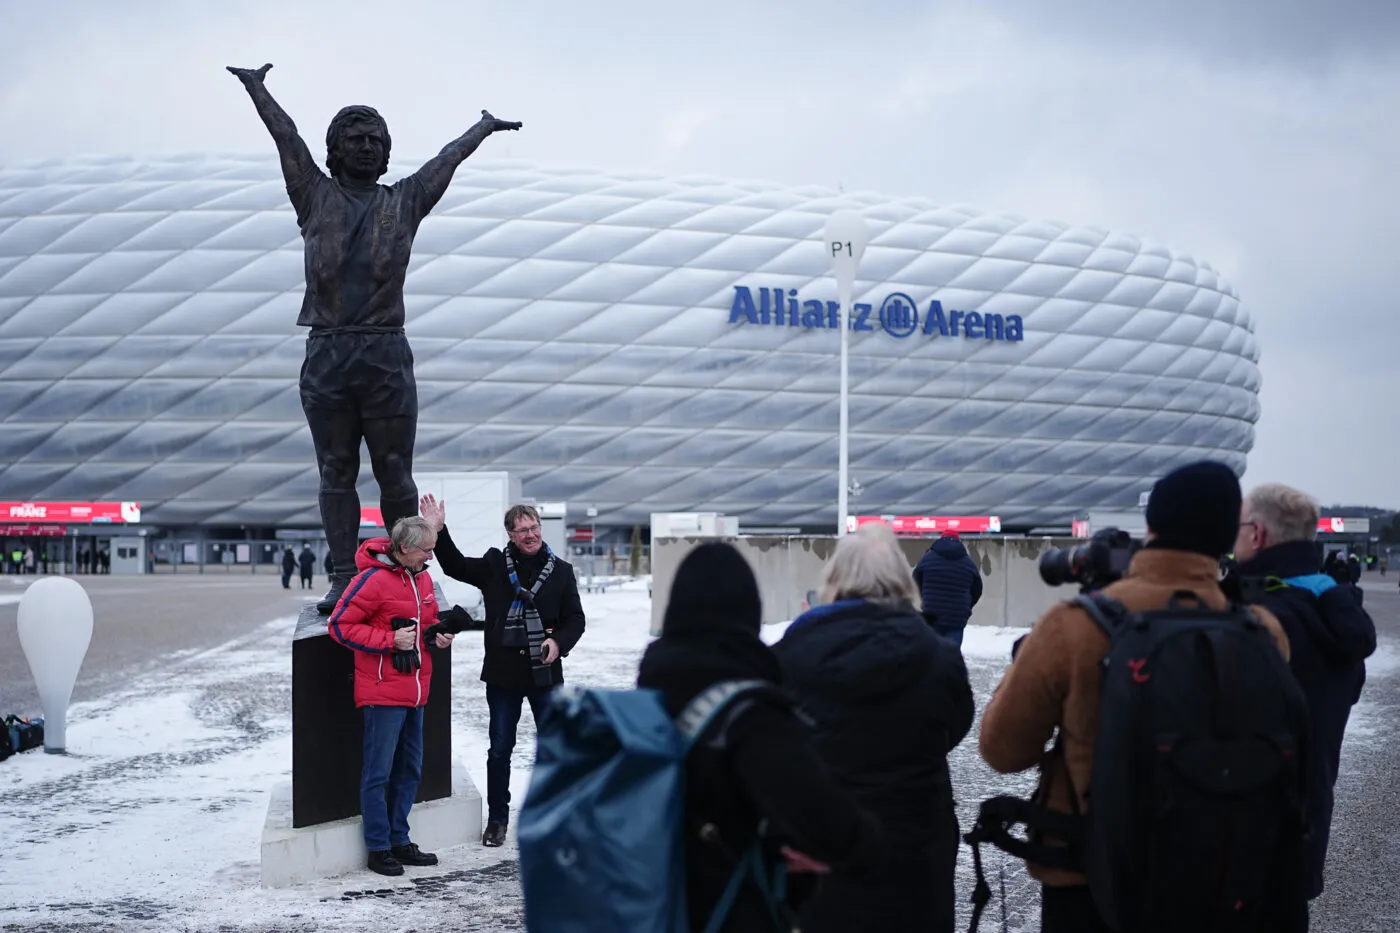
<point>181,725</point>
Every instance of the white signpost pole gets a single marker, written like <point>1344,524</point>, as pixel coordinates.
<point>845,239</point>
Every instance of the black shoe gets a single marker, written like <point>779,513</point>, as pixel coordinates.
<point>495,834</point>
<point>384,863</point>
<point>328,602</point>
<point>412,855</point>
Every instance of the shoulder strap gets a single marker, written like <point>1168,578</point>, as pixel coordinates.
<point>709,703</point>
<point>1107,612</point>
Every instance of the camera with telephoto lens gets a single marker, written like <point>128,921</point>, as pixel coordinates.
<point>1103,560</point>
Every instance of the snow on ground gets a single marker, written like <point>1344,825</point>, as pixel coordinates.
<point>153,820</point>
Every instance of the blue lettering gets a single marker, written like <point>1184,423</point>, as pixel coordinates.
<point>935,321</point>
<point>862,314</point>
<point>972,327</point>
<point>1013,327</point>
<point>792,307</point>
<point>743,306</point>
<point>813,314</point>
<point>765,307</point>
<point>995,327</point>
<point>833,314</point>
<point>953,318</point>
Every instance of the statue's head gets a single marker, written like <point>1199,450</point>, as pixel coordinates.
<point>357,144</point>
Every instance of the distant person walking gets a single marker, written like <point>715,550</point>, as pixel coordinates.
<point>950,584</point>
<point>289,565</point>
<point>308,565</point>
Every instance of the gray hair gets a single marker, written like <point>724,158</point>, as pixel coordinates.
<point>1284,512</point>
<point>411,532</point>
<point>869,565</point>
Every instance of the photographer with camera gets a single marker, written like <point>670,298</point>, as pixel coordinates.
<point>1140,867</point>
<point>1330,635</point>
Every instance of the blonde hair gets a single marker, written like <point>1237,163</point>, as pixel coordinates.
<point>869,565</point>
<point>1284,512</point>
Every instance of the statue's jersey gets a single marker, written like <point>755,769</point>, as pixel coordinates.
<point>358,242</point>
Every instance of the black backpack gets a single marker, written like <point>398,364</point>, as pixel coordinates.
<point>1196,819</point>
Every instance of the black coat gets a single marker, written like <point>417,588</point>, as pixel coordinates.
<point>307,561</point>
<point>1329,636</point>
<point>289,562</point>
<point>757,762</point>
<point>890,700</point>
<point>560,610</point>
<point>949,581</point>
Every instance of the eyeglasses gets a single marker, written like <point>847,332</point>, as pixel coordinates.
<point>526,530</point>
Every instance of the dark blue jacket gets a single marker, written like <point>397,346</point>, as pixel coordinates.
<point>890,700</point>
<point>1329,636</point>
<point>950,581</point>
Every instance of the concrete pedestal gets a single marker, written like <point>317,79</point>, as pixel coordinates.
<point>328,731</point>
<point>296,855</point>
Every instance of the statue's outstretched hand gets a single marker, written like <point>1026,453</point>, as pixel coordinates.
<point>495,126</point>
<point>251,75</point>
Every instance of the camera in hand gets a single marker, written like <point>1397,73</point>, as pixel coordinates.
<point>1094,565</point>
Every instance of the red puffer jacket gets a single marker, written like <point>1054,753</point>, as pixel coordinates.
<point>381,592</point>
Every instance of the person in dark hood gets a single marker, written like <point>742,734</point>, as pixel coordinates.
<point>890,699</point>
<point>950,584</point>
<point>289,565</point>
<point>1335,566</point>
<point>1329,632</point>
<point>753,771</point>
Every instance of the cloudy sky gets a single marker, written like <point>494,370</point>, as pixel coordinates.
<point>1260,135</point>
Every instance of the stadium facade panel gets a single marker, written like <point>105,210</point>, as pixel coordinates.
<point>626,341</point>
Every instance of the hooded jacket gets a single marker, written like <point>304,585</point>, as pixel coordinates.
<point>1330,636</point>
<point>382,591</point>
<point>890,700</point>
<point>950,582</point>
<point>757,761</point>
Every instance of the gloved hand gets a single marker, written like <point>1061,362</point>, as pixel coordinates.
<point>456,620</point>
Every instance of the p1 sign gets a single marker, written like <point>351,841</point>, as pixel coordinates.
<point>846,238</point>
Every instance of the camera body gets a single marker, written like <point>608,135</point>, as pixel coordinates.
<point>1093,565</point>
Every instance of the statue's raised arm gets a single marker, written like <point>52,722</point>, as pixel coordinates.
<point>436,174</point>
<point>297,162</point>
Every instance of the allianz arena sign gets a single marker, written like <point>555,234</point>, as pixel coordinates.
<point>898,315</point>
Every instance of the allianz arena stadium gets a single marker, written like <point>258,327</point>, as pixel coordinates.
<point>623,341</point>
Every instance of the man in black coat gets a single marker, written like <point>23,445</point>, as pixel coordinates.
<point>533,618</point>
<point>307,560</point>
<point>1330,636</point>
<point>951,585</point>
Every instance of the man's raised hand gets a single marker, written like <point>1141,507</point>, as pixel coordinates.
<point>433,510</point>
<point>495,126</point>
<point>251,75</point>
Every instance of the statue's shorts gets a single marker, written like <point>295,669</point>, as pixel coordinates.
<point>363,370</point>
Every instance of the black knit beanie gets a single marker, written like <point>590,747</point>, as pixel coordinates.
<point>714,589</point>
<point>1196,508</point>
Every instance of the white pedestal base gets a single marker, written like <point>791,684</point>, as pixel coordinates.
<point>292,856</point>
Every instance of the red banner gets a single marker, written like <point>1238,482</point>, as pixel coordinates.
<point>75,512</point>
<point>1336,526</point>
<point>371,517</point>
<point>582,535</point>
<point>934,524</point>
<point>33,531</point>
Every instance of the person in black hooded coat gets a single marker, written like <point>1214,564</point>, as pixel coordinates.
<point>756,762</point>
<point>891,699</point>
<point>950,584</point>
<point>1330,636</point>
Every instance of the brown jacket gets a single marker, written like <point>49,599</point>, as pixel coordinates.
<point>1054,683</point>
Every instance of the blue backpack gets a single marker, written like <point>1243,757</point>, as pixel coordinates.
<point>602,829</point>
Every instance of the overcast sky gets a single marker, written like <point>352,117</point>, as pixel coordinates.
<point>1260,135</point>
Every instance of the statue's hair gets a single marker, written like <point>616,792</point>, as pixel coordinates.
<point>341,121</point>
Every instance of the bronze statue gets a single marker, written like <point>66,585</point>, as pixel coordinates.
<point>357,380</point>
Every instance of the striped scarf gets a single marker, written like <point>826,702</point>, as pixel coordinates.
<point>523,624</point>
